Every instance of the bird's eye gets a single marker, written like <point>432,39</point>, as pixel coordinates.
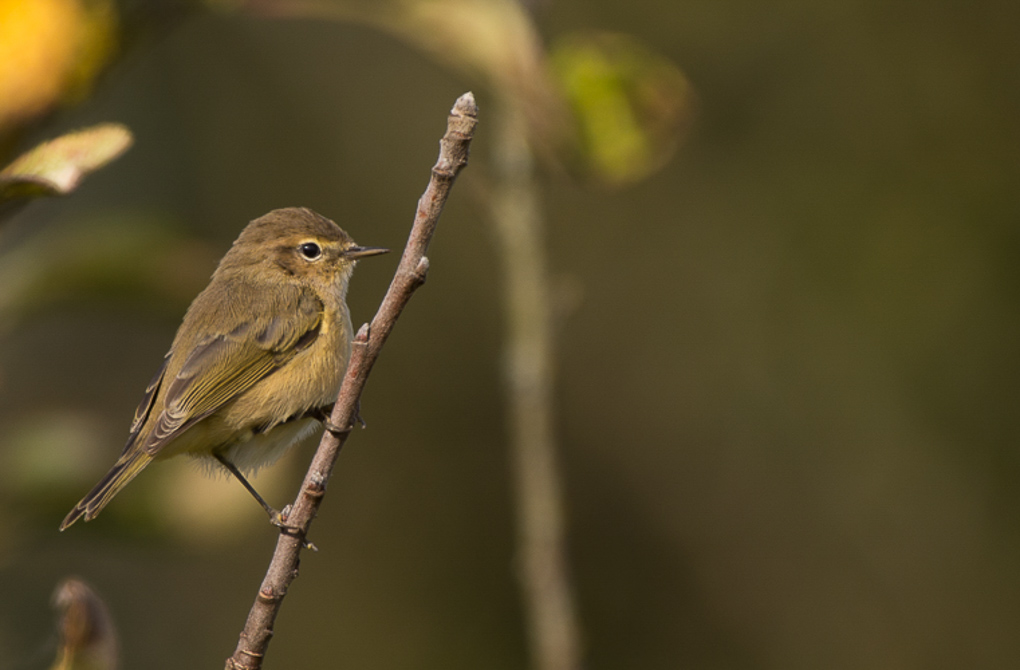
<point>310,250</point>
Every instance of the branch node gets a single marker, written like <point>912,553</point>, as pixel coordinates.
<point>421,271</point>
<point>316,484</point>
<point>361,337</point>
<point>443,173</point>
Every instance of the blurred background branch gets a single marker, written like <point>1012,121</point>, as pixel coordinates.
<point>542,562</point>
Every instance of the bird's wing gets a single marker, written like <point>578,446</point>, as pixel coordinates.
<point>221,366</point>
<point>145,406</point>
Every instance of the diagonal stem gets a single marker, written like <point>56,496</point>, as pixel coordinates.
<point>453,156</point>
<point>274,516</point>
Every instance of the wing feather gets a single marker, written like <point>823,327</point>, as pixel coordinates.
<point>221,367</point>
<point>145,406</point>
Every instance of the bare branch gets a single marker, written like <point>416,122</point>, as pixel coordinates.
<point>411,272</point>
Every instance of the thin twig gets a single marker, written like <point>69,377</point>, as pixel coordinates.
<point>411,272</point>
<point>554,632</point>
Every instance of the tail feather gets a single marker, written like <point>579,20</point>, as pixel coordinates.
<point>116,479</point>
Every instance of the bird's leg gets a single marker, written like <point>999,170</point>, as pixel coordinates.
<point>275,517</point>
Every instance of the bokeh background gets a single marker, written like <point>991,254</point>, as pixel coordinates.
<point>787,367</point>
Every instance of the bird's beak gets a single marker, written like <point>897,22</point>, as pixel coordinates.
<point>361,252</point>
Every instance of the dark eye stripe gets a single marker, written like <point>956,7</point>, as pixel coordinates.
<point>310,250</point>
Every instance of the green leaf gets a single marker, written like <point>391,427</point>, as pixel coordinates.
<point>631,106</point>
<point>57,167</point>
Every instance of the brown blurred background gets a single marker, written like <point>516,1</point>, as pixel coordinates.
<point>787,388</point>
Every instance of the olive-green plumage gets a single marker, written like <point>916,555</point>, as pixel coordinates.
<point>260,351</point>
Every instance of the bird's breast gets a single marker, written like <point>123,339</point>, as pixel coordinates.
<point>266,448</point>
<point>311,379</point>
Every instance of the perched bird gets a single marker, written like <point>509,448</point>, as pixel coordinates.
<point>258,360</point>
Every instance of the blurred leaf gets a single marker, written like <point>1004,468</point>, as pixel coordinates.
<point>88,640</point>
<point>57,167</point>
<point>631,106</point>
<point>50,51</point>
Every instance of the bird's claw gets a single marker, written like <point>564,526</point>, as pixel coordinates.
<point>279,519</point>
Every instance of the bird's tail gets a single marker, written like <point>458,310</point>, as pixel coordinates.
<point>116,479</point>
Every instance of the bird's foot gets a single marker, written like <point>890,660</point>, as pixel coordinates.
<point>279,519</point>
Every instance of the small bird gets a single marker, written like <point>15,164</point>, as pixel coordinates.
<point>258,360</point>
